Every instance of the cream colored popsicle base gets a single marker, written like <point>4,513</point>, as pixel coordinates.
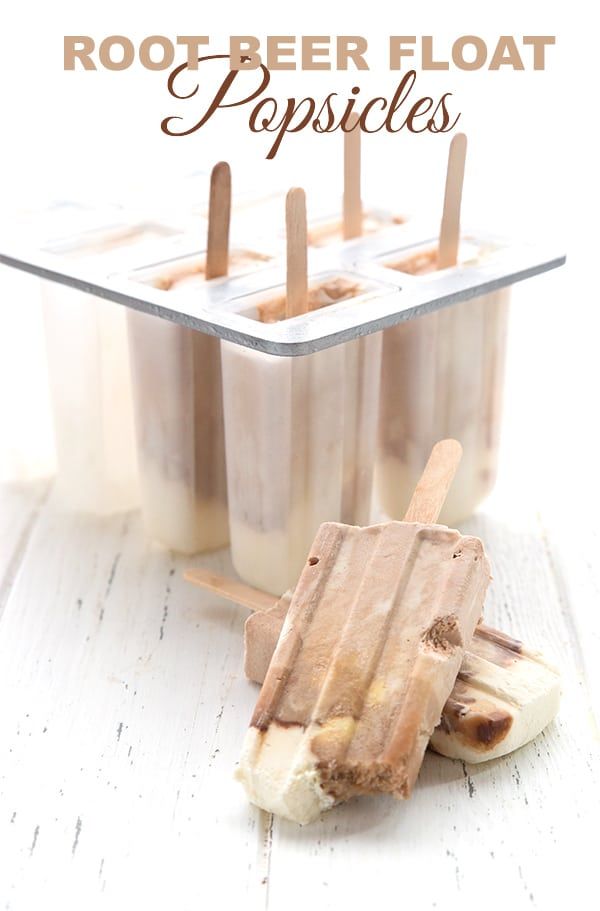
<point>178,520</point>
<point>300,451</point>
<point>442,376</point>
<point>179,424</point>
<point>503,697</point>
<point>367,657</point>
<point>288,783</point>
<point>268,560</point>
<point>507,704</point>
<point>90,384</point>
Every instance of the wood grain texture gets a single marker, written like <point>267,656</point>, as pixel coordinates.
<point>219,214</point>
<point>123,711</point>
<point>352,204</point>
<point>297,267</point>
<point>20,505</point>
<point>432,488</point>
<point>450,227</point>
<point>252,598</point>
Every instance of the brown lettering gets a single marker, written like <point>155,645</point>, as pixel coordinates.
<point>351,47</point>
<point>167,55</point>
<point>506,54</point>
<point>106,46</point>
<point>192,43</point>
<point>311,50</point>
<point>219,99</point>
<point>73,53</point>
<point>427,52</point>
<point>398,51</point>
<point>458,52</point>
<point>243,52</point>
<point>539,43</point>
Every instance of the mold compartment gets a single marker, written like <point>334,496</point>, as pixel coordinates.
<point>179,412</point>
<point>326,291</point>
<point>442,376</point>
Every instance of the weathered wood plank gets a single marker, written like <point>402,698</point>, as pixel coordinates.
<point>20,505</point>
<point>122,711</point>
<point>124,706</point>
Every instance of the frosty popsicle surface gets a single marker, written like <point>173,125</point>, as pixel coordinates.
<point>90,382</point>
<point>300,432</point>
<point>367,657</point>
<point>442,374</point>
<point>178,398</point>
<point>300,436</point>
<point>368,654</point>
<point>504,695</point>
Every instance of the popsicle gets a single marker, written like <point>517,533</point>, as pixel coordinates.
<point>442,373</point>
<point>367,657</point>
<point>504,695</point>
<point>355,222</point>
<point>89,370</point>
<point>369,651</point>
<point>300,431</point>
<point>178,404</point>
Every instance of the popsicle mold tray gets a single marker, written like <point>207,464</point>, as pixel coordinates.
<point>385,292</point>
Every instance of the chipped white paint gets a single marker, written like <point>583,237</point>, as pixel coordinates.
<point>123,706</point>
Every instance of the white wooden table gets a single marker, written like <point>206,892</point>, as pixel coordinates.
<point>123,706</point>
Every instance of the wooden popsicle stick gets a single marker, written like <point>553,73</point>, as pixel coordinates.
<point>433,486</point>
<point>219,214</point>
<point>297,268</point>
<point>252,598</point>
<point>450,227</point>
<point>352,224</point>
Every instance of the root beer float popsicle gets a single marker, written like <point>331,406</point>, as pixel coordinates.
<point>355,222</point>
<point>179,412</point>
<point>504,694</point>
<point>368,654</point>
<point>442,375</point>
<point>300,431</point>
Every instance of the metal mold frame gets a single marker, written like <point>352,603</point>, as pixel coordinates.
<point>402,296</point>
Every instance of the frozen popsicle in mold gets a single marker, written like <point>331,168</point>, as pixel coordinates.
<point>504,695</point>
<point>177,385</point>
<point>89,375</point>
<point>300,431</point>
<point>354,222</point>
<point>368,654</point>
<point>190,273</point>
<point>442,374</point>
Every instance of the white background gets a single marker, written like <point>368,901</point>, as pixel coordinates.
<point>532,169</point>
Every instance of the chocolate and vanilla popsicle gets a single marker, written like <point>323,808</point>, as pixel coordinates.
<point>504,695</point>
<point>369,651</point>
<point>442,373</point>
<point>178,394</point>
<point>300,432</point>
